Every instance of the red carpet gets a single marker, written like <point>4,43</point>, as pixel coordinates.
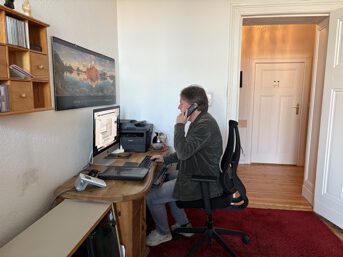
<point>273,233</point>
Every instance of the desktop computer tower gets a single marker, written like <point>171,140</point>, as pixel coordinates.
<point>135,136</point>
<point>103,241</point>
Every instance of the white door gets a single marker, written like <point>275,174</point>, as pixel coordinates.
<point>328,199</point>
<point>276,112</point>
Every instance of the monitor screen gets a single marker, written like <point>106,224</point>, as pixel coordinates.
<point>105,129</point>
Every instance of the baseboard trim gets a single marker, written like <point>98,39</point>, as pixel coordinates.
<point>308,192</point>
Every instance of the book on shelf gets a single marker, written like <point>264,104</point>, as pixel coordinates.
<point>27,38</point>
<point>17,72</point>
<point>4,98</point>
<point>17,32</point>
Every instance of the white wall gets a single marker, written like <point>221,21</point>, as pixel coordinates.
<point>40,151</point>
<point>165,46</point>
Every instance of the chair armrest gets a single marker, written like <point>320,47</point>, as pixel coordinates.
<point>205,189</point>
<point>199,178</point>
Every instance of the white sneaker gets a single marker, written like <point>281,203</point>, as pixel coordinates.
<point>188,225</point>
<point>155,238</point>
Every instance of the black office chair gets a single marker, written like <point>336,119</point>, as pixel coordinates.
<point>234,196</point>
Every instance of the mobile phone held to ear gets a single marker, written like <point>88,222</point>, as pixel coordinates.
<point>191,109</point>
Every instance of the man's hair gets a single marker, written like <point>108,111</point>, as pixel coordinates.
<point>195,94</point>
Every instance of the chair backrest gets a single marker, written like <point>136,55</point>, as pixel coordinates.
<point>230,181</point>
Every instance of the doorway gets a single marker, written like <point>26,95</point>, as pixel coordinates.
<point>275,97</point>
<point>327,192</point>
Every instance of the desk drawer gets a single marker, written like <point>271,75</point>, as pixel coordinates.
<point>21,96</point>
<point>39,66</point>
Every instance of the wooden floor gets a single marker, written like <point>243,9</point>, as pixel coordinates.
<point>274,186</point>
<point>277,187</point>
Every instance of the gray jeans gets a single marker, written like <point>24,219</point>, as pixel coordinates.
<point>156,201</point>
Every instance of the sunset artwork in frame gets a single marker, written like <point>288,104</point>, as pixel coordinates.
<point>82,78</point>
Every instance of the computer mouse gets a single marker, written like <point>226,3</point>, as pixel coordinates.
<point>93,173</point>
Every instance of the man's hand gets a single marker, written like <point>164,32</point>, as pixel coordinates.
<point>157,158</point>
<point>182,118</point>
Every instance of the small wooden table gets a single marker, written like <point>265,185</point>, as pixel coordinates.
<point>129,202</point>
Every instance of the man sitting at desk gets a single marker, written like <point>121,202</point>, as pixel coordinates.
<point>197,153</point>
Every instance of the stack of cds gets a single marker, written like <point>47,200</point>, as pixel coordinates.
<point>17,72</point>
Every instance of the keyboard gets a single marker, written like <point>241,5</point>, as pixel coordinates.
<point>124,173</point>
<point>160,176</point>
<point>146,162</point>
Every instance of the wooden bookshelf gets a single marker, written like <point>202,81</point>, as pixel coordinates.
<point>28,49</point>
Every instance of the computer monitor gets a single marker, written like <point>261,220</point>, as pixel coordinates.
<point>106,136</point>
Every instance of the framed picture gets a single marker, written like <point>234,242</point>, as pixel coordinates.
<point>82,78</point>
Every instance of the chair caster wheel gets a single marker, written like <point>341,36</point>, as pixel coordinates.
<point>245,239</point>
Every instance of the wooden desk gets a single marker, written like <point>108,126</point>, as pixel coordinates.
<point>129,202</point>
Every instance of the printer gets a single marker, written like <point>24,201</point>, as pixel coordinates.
<point>135,136</point>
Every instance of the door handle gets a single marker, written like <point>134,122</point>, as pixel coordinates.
<point>297,107</point>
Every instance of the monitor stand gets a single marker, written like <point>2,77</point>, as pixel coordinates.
<point>123,155</point>
<point>102,162</point>
<point>118,153</point>
<point>107,158</point>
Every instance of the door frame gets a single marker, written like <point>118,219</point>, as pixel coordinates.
<point>245,8</point>
<point>248,8</point>
<point>313,125</point>
<point>307,61</point>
